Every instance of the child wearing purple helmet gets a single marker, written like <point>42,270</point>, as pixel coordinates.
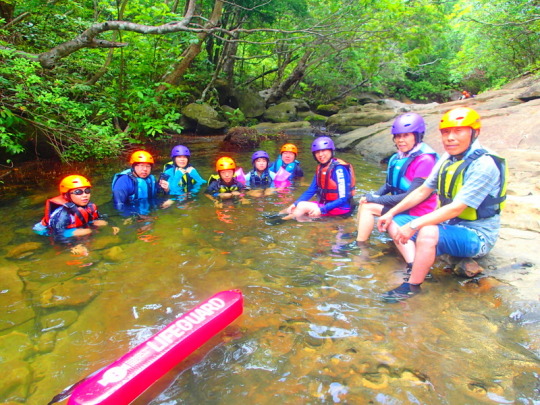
<point>407,170</point>
<point>260,180</point>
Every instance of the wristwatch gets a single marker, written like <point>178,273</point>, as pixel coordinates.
<point>413,225</point>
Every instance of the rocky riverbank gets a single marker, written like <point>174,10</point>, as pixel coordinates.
<point>510,127</point>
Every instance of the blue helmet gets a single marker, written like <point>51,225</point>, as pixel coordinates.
<point>322,143</point>
<point>180,150</point>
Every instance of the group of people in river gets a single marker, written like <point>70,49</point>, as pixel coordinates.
<point>429,205</point>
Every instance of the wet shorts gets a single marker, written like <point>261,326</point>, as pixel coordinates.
<point>454,240</point>
<point>335,211</point>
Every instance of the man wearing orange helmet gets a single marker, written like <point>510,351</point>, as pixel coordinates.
<point>471,183</point>
<point>224,185</point>
<point>71,213</point>
<point>135,185</point>
<point>288,161</point>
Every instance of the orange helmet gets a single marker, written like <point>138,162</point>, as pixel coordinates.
<point>73,181</point>
<point>460,117</point>
<point>141,156</point>
<point>225,163</point>
<point>289,147</point>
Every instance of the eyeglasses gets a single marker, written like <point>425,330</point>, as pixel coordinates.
<point>80,192</point>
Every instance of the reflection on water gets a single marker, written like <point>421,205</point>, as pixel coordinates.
<point>314,330</point>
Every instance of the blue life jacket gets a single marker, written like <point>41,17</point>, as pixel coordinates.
<point>279,163</point>
<point>144,188</point>
<point>179,179</point>
<point>397,169</point>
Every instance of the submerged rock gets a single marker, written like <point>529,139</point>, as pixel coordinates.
<point>23,250</point>
<point>13,304</point>
<point>75,292</point>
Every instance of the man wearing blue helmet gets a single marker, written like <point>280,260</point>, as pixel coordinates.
<point>179,177</point>
<point>333,183</point>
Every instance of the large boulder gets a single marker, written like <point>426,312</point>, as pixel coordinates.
<point>283,112</point>
<point>202,119</point>
<point>531,93</point>
<point>249,102</point>
<point>350,121</point>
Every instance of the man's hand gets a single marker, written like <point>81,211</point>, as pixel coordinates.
<point>384,222</point>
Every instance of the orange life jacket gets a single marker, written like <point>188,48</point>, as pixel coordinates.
<point>328,188</point>
<point>82,215</point>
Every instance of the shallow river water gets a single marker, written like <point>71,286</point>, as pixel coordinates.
<point>313,330</point>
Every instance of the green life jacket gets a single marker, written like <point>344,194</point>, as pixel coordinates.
<point>450,181</point>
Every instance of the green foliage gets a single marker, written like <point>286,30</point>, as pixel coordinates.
<point>235,118</point>
<point>147,116</point>
<point>97,100</point>
<point>10,136</point>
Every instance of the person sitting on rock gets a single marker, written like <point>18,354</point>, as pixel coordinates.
<point>407,170</point>
<point>71,213</point>
<point>471,183</point>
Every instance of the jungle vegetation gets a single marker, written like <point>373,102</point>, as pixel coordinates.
<point>94,76</point>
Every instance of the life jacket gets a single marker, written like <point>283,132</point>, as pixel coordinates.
<point>450,181</point>
<point>327,187</point>
<point>81,216</point>
<point>144,188</point>
<point>222,187</point>
<point>185,182</point>
<point>396,179</point>
<point>279,163</point>
<point>264,180</point>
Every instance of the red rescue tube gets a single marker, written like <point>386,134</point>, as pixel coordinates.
<point>129,376</point>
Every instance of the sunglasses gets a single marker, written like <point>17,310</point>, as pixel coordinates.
<point>80,192</point>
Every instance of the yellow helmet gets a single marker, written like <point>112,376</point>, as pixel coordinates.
<point>225,163</point>
<point>289,147</point>
<point>73,181</point>
<point>141,156</point>
<point>460,117</point>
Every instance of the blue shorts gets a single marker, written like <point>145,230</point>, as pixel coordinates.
<point>454,240</point>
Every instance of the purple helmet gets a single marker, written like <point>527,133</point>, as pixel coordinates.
<point>180,150</point>
<point>322,143</point>
<point>410,122</point>
<point>259,154</point>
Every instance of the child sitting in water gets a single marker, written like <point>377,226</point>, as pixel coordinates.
<point>71,213</point>
<point>178,177</point>
<point>224,185</point>
<point>260,180</point>
<point>287,160</point>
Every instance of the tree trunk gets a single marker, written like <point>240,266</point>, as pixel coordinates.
<point>6,11</point>
<point>187,57</point>
<point>280,89</point>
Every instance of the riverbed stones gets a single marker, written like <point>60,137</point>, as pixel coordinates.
<point>115,254</point>
<point>23,250</point>
<point>16,380</point>
<point>75,292</point>
<point>13,303</point>
<point>58,320</point>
